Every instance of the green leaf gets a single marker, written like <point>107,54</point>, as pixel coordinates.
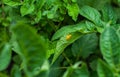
<point>63,43</point>
<point>32,47</point>
<point>83,27</point>
<point>73,11</point>
<point>38,16</point>
<point>109,45</point>
<point>85,45</point>
<point>76,71</point>
<point>11,3</point>
<point>27,9</point>
<point>91,14</point>
<point>69,34</point>
<point>5,56</point>
<point>109,14</point>
<point>104,70</point>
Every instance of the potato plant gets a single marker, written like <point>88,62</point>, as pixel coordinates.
<point>59,38</point>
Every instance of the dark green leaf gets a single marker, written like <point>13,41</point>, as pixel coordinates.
<point>85,45</point>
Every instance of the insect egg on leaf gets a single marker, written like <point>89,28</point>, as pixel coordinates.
<point>68,36</point>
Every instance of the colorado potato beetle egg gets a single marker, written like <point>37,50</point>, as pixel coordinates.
<point>68,36</point>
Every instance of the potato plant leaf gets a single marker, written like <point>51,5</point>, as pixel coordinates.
<point>108,14</point>
<point>75,31</point>
<point>109,45</point>
<point>82,27</point>
<point>91,14</point>
<point>33,50</point>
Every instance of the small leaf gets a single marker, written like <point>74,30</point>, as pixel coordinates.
<point>38,16</point>
<point>73,11</point>
<point>27,9</point>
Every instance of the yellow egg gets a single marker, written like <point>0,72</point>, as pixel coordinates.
<point>68,36</point>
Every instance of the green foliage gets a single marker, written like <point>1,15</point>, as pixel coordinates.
<point>59,38</point>
<point>76,71</point>
<point>85,45</point>
<point>109,43</point>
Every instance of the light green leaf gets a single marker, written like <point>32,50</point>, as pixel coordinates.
<point>85,45</point>
<point>109,45</point>
<point>76,71</point>
<point>31,47</point>
<point>83,27</point>
<point>104,70</point>
<point>27,9</point>
<point>73,11</point>
<point>11,3</point>
<point>38,16</point>
<point>5,56</point>
<point>63,43</point>
<point>68,35</point>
